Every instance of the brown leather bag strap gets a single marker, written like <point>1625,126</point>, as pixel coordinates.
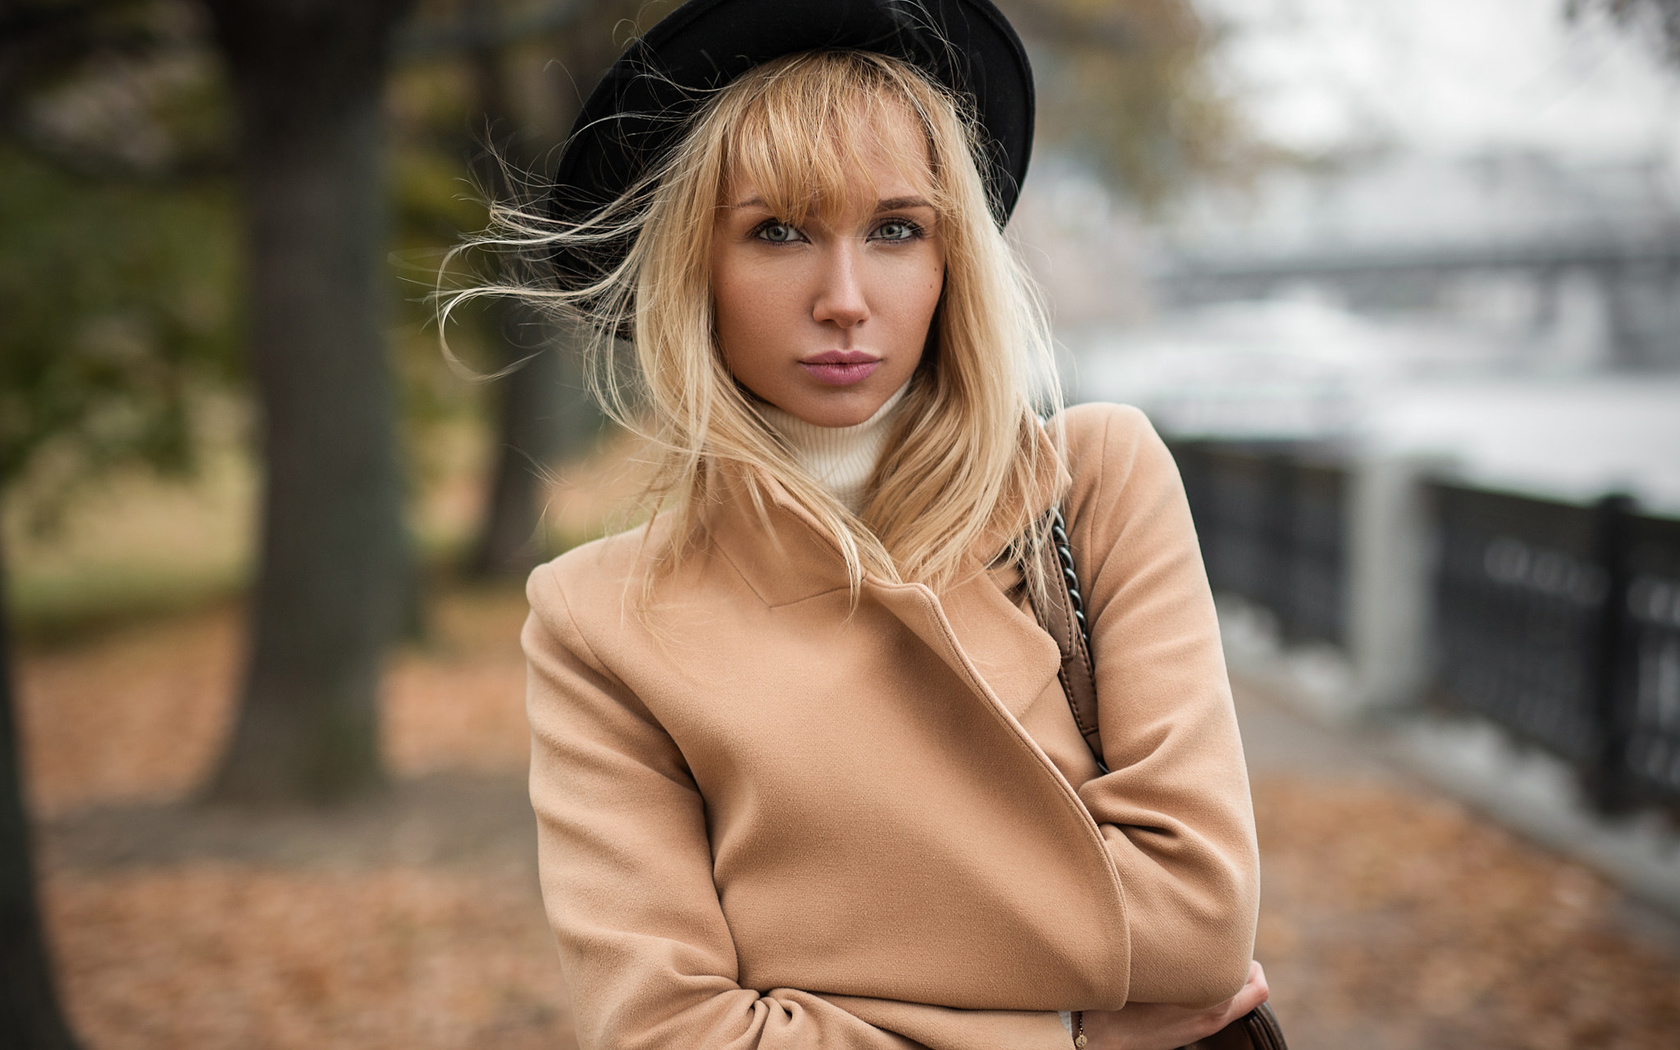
<point>1062,614</point>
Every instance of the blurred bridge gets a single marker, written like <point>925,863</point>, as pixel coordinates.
<point>1637,278</point>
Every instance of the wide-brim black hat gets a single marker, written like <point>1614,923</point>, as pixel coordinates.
<point>641,108</point>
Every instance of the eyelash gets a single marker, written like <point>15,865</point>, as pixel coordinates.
<point>914,230</point>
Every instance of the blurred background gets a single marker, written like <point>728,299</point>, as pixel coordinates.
<point>1398,281</point>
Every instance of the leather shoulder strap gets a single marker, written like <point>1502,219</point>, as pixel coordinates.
<point>1062,614</point>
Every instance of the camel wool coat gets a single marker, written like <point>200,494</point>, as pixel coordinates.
<point>769,820</point>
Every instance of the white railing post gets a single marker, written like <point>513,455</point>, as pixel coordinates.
<point>1388,582</point>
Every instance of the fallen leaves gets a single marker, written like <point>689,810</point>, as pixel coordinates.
<point>1396,918</point>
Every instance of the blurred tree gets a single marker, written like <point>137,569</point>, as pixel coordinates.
<point>1662,17</point>
<point>495,85</point>
<point>113,301</point>
<point>307,77</point>
<point>539,407</point>
<point>1130,90</point>
<point>94,89</point>
<point>112,284</point>
<point>122,102</point>
<point>114,248</point>
<point>30,1015</point>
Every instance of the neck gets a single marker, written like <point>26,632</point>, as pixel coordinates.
<point>841,458</point>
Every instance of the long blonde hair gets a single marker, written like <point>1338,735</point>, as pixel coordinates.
<point>965,462</point>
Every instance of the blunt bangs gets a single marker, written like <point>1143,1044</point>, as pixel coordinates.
<point>802,134</point>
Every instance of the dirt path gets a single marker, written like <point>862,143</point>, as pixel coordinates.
<point>1393,918</point>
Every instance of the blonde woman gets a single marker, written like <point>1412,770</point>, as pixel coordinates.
<point>804,772</point>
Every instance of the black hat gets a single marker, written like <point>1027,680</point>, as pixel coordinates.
<point>640,109</point>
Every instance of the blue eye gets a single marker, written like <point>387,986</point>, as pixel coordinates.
<point>897,230</point>
<point>777,233</point>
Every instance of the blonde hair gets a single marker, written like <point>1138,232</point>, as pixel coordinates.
<point>966,459</point>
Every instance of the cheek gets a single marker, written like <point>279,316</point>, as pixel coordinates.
<point>928,289</point>
<point>743,315</point>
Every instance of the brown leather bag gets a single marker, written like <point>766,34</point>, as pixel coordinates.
<point>1258,1029</point>
<point>1062,614</point>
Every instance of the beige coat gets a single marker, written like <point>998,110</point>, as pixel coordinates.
<point>766,824</point>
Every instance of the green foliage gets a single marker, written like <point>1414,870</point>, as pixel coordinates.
<point>118,305</point>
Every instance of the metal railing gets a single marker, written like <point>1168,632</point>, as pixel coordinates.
<point>1648,656</point>
<point>1559,622</point>
<point>1273,529</point>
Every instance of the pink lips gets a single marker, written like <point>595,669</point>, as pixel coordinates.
<point>841,367</point>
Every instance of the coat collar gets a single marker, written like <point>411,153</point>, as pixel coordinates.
<point>786,556</point>
<point>976,627</point>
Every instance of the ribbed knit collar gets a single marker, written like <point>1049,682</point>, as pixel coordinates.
<point>842,458</point>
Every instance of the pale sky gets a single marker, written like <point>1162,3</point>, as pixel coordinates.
<point>1447,76</point>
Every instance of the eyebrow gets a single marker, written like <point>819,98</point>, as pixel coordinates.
<point>889,204</point>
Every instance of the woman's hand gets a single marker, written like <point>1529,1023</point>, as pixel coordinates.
<point>1162,1026</point>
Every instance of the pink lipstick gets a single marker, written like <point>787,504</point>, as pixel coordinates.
<point>841,367</point>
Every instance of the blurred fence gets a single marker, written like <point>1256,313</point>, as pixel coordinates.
<point>1560,622</point>
<point>1273,528</point>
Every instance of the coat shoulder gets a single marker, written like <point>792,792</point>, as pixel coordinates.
<point>599,578</point>
<point>611,557</point>
<point>1107,444</point>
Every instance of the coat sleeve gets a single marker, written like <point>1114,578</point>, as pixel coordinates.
<point>626,870</point>
<point>1175,809</point>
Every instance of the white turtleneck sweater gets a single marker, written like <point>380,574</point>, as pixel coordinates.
<point>842,458</point>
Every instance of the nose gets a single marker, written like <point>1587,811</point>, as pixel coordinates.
<point>840,298</point>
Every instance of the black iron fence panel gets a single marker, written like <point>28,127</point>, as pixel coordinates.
<point>1315,582</point>
<point>1648,673</point>
<point>1519,597</point>
<point>1239,540</point>
<point>1273,529</point>
<point>1560,622</point>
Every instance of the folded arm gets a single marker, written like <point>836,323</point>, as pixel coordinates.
<point>1175,810</point>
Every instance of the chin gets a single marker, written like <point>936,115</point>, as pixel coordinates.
<point>844,411</point>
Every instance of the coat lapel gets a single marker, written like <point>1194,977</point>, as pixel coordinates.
<point>1008,649</point>
<point>777,547</point>
<point>988,641</point>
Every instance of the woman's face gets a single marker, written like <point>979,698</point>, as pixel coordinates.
<point>828,319</point>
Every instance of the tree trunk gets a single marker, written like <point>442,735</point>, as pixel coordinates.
<point>542,411</point>
<point>308,78</point>
<point>30,1015</point>
<point>528,417</point>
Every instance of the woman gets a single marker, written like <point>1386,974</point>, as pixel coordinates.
<point>803,769</point>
